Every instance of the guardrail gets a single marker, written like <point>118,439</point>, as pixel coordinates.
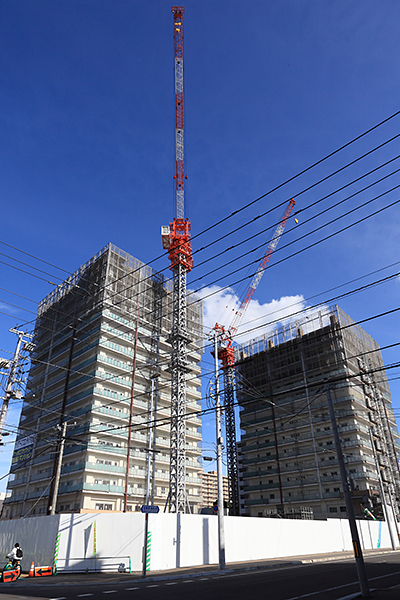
<point>95,564</point>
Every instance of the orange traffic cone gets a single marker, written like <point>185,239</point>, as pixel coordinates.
<point>32,570</point>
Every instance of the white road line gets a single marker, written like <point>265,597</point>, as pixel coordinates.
<point>204,578</point>
<point>171,583</point>
<point>110,592</point>
<point>84,595</point>
<point>340,587</point>
<point>152,585</point>
<point>383,576</point>
<point>188,581</point>
<point>130,589</point>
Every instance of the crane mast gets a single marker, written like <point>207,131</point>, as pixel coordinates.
<point>176,238</point>
<point>226,355</point>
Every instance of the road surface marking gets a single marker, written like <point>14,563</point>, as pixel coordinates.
<point>110,592</point>
<point>83,595</point>
<point>155,585</point>
<point>204,578</point>
<point>130,589</point>
<point>60,598</point>
<point>188,581</point>
<point>171,583</point>
<point>382,576</point>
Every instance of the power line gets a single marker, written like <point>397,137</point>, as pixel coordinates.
<point>341,328</point>
<point>292,315</point>
<point>271,227</point>
<point>320,161</point>
<point>286,258</point>
<point>256,200</point>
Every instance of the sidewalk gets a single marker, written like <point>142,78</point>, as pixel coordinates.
<point>82,579</point>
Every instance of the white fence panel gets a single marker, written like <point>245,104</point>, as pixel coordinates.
<point>112,542</point>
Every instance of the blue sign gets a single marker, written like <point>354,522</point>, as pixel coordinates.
<point>23,450</point>
<point>146,508</point>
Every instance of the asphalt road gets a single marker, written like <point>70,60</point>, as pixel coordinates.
<point>317,581</point>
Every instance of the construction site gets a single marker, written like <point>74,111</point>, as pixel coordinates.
<point>99,366</point>
<point>288,466</point>
<point>113,401</point>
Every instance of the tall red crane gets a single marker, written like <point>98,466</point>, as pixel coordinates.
<point>176,238</point>
<point>226,355</point>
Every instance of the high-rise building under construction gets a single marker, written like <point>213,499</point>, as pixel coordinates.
<point>287,460</point>
<point>100,365</point>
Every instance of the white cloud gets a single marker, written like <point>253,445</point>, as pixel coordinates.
<point>220,306</point>
<point>9,309</point>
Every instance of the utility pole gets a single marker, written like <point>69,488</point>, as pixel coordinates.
<point>221,529</point>
<point>52,507</point>
<point>362,576</point>
<point>63,431</point>
<point>149,447</point>
<point>128,453</point>
<point>10,391</point>
<point>62,417</point>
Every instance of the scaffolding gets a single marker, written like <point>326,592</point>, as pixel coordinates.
<point>82,371</point>
<point>286,452</point>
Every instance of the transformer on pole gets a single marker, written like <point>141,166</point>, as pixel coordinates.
<point>176,238</point>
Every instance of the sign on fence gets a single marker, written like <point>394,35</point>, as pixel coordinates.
<point>147,508</point>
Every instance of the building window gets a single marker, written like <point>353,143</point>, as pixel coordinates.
<point>102,506</point>
<point>272,496</point>
<point>333,509</point>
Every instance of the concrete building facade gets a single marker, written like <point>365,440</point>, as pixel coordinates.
<point>210,489</point>
<point>287,460</point>
<point>100,363</point>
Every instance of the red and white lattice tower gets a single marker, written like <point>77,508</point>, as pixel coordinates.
<point>176,238</point>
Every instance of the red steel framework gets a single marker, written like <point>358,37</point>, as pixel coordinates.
<point>226,355</point>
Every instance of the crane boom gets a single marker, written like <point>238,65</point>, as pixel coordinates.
<point>261,268</point>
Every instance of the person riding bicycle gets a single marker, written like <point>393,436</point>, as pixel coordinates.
<point>15,555</point>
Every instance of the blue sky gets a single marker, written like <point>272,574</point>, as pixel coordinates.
<point>87,144</point>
